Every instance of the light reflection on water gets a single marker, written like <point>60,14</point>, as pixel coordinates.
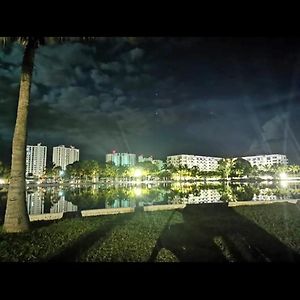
<point>56,199</point>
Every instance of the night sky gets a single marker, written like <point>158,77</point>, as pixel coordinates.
<point>159,96</point>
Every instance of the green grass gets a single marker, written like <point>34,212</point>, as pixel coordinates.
<point>197,233</point>
<point>280,220</point>
<point>134,241</point>
<point>45,242</point>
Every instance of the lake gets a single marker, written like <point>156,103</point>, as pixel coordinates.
<point>55,199</point>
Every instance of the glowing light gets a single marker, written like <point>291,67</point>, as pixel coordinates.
<point>266,177</point>
<point>283,176</point>
<point>137,191</point>
<point>2,181</point>
<point>137,173</point>
<point>284,184</point>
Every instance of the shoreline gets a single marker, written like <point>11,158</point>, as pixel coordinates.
<point>251,180</point>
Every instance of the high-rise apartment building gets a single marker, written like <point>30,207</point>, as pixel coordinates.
<point>63,156</point>
<point>121,159</point>
<point>36,157</point>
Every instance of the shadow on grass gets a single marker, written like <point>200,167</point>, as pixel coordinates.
<point>73,252</point>
<point>42,223</point>
<point>38,224</point>
<point>217,233</point>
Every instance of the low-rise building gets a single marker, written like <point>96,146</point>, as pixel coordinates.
<point>267,160</point>
<point>204,163</point>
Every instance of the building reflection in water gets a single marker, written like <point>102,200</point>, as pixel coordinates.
<point>63,206</point>
<point>55,199</point>
<point>36,202</point>
<point>204,196</point>
<point>120,203</point>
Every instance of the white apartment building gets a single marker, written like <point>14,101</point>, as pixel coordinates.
<point>204,163</point>
<point>63,156</point>
<point>36,157</point>
<point>267,160</point>
<point>121,159</point>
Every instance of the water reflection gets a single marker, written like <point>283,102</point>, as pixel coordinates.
<point>47,200</point>
<point>35,201</point>
<point>42,200</point>
<point>62,205</point>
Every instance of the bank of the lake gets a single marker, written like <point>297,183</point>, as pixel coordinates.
<point>205,232</point>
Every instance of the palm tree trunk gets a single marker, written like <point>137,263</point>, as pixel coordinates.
<point>16,215</point>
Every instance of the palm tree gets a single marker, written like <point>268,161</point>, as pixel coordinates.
<point>225,166</point>
<point>16,216</point>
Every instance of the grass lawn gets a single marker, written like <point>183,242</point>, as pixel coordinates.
<point>204,233</point>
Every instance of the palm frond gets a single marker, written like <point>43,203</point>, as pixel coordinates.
<point>23,40</point>
<point>62,39</point>
<point>8,40</point>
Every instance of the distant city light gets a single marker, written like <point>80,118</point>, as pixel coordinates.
<point>283,176</point>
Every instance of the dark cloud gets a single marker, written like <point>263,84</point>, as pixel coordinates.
<point>272,135</point>
<point>161,96</point>
<point>161,102</point>
<point>113,66</point>
<point>99,78</point>
<point>135,54</point>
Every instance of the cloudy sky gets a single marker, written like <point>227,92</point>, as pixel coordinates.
<point>159,96</point>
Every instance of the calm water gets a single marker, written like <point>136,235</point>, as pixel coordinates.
<point>42,200</point>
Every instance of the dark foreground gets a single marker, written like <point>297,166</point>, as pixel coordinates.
<point>201,233</point>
